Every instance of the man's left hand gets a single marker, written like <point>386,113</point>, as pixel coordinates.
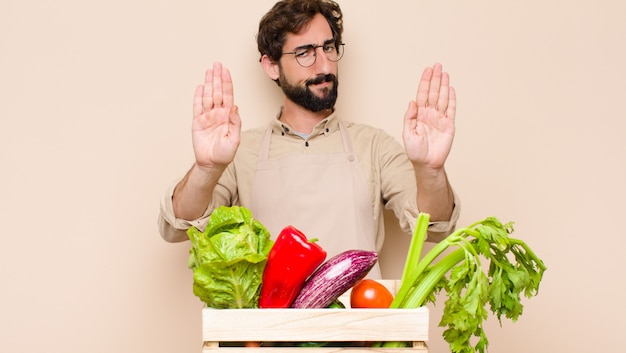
<point>429,120</point>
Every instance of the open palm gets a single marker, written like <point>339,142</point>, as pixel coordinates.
<point>216,126</point>
<point>429,120</point>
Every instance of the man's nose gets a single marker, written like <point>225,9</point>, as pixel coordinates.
<point>322,64</point>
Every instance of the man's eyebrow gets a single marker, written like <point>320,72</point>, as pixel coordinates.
<point>326,42</point>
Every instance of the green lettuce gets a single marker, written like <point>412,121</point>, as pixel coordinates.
<point>228,258</point>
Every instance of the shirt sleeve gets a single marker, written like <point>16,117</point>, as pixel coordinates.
<point>437,231</point>
<point>399,191</point>
<point>174,229</point>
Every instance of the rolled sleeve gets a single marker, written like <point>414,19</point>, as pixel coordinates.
<point>438,230</point>
<point>174,229</point>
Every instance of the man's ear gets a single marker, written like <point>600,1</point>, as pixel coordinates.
<point>270,67</point>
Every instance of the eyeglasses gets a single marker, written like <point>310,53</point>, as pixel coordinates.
<point>306,55</point>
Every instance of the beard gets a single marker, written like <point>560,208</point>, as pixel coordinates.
<point>304,97</point>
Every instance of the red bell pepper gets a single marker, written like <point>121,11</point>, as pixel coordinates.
<point>292,259</point>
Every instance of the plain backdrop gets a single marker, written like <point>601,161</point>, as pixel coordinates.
<point>95,111</point>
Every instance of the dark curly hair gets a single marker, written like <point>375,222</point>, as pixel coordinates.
<point>290,16</point>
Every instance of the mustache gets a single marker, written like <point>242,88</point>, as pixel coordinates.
<point>321,79</point>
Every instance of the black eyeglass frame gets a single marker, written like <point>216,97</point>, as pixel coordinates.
<point>295,53</point>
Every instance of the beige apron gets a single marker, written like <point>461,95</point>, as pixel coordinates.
<point>324,195</point>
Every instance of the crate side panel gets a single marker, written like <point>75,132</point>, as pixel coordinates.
<point>315,324</point>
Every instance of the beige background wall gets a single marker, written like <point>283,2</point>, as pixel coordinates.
<point>95,106</point>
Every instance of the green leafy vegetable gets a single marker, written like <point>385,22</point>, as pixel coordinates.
<point>512,270</point>
<point>228,258</point>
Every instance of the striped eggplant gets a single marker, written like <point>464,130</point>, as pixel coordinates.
<point>334,277</point>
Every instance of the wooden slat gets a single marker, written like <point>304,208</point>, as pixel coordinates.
<point>315,324</point>
<point>420,348</point>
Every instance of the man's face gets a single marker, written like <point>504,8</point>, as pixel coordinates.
<point>314,87</point>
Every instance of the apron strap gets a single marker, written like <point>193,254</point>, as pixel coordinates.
<point>264,148</point>
<point>347,142</point>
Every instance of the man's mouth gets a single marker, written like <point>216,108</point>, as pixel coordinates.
<point>319,80</point>
<point>324,84</point>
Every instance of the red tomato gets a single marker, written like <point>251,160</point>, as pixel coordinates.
<point>368,293</point>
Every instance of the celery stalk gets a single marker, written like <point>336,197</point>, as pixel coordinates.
<point>417,242</point>
<point>514,270</point>
<point>415,250</point>
<point>430,280</point>
<point>415,274</point>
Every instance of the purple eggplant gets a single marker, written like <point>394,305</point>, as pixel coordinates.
<point>334,277</point>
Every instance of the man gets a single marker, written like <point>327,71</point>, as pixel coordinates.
<point>310,168</point>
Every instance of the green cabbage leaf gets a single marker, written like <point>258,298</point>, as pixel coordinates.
<point>228,258</point>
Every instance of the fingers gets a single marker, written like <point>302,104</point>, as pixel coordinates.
<point>434,90</point>
<point>227,86</point>
<point>435,84</point>
<point>207,93</point>
<point>410,117</point>
<point>217,85</point>
<point>234,117</point>
<point>198,101</point>
<point>443,92</point>
<point>218,88</point>
<point>451,110</point>
<point>422,89</point>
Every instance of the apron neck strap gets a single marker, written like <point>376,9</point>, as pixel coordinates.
<point>347,142</point>
<point>264,148</point>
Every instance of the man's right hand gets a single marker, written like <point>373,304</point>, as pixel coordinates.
<point>216,126</point>
<point>216,130</point>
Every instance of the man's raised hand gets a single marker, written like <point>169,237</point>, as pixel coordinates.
<point>216,123</point>
<point>429,120</point>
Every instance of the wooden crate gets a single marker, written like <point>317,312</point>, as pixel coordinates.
<point>337,326</point>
